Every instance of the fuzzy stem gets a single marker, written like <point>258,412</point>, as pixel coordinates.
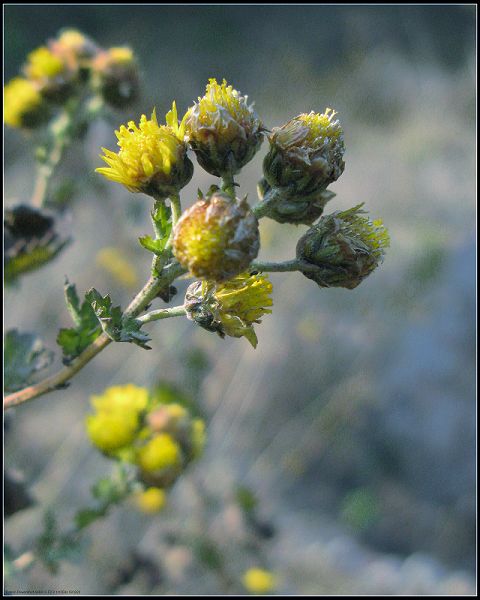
<point>289,265</point>
<point>228,184</point>
<point>270,198</point>
<point>163,313</point>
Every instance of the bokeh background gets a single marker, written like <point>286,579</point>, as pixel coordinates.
<point>353,423</point>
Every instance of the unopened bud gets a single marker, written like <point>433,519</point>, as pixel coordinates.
<point>306,154</point>
<point>346,246</point>
<point>223,129</point>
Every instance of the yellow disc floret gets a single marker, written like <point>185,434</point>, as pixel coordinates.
<point>217,238</point>
<point>152,157</point>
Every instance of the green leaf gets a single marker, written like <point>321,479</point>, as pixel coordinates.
<point>155,246</point>
<point>87,516</point>
<point>24,355</point>
<point>118,327</point>
<point>162,225</point>
<point>74,340</point>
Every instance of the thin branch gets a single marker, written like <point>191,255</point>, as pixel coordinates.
<point>56,381</point>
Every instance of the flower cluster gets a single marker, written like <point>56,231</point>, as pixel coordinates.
<point>217,238</point>
<point>160,439</point>
<point>63,68</point>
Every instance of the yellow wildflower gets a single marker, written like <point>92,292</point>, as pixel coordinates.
<point>161,452</point>
<point>258,581</point>
<point>230,308</point>
<point>151,501</point>
<point>22,103</point>
<point>217,237</point>
<point>152,157</point>
<point>122,397</point>
<point>115,76</point>
<point>43,64</point>
<point>112,430</point>
<point>223,129</point>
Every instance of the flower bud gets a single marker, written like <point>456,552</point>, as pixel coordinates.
<point>346,246</point>
<point>75,49</point>
<point>230,308</point>
<point>116,77</point>
<point>223,129</point>
<point>258,581</point>
<point>23,105</point>
<point>53,78</point>
<point>160,460</point>
<point>217,238</point>
<point>306,154</point>
<point>116,420</point>
<point>152,158</point>
<point>293,209</point>
<point>150,501</point>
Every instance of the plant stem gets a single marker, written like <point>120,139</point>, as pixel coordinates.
<point>61,130</point>
<point>56,381</point>
<point>289,265</point>
<point>269,199</point>
<point>163,313</point>
<point>228,184</point>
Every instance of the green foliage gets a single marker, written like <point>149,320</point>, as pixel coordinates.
<point>52,546</point>
<point>246,499</point>
<point>162,225</point>
<point>75,339</point>
<point>108,491</point>
<point>24,355</point>
<point>118,327</point>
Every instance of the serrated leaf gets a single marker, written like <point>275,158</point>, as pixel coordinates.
<point>74,340</point>
<point>162,225</point>
<point>118,327</point>
<point>155,246</point>
<point>24,355</point>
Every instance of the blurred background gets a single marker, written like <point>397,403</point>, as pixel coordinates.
<point>352,425</point>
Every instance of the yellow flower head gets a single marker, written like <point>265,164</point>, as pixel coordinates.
<point>346,245</point>
<point>116,76</point>
<point>74,48</point>
<point>22,104</point>
<point>217,237</point>
<point>151,501</point>
<point>258,581</point>
<point>161,452</point>
<point>116,421</point>
<point>306,154</point>
<point>223,129</point>
<point>43,64</point>
<point>152,157</point>
<point>112,430</point>
<point>230,308</point>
